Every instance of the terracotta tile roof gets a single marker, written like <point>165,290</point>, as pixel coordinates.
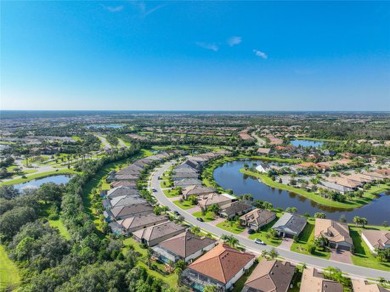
<point>359,285</point>
<point>314,281</point>
<point>332,230</point>
<point>221,263</point>
<point>270,276</point>
<point>186,244</point>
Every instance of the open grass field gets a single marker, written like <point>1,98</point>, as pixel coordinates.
<point>362,255</point>
<point>305,239</point>
<point>9,272</point>
<point>61,228</point>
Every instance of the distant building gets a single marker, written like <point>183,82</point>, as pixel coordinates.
<point>335,232</point>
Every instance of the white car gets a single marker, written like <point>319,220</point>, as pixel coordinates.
<point>258,241</point>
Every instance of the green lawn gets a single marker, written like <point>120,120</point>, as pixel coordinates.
<point>362,255</point>
<point>184,205</point>
<point>209,216</point>
<point>305,238</point>
<point>262,234</point>
<point>171,193</point>
<point>61,227</point>
<point>231,226</point>
<point>9,272</point>
<point>310,195</point>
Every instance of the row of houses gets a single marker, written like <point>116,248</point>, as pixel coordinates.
<point>352,182</point>
<point>223,266</point>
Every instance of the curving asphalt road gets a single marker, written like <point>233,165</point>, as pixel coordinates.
<point>351,270</point>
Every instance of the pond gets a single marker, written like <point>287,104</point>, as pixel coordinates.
<point>36,183</point>
<point>229,176</point>
<point>306,143</point>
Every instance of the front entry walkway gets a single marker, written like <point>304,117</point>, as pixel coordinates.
<point>286,243</point>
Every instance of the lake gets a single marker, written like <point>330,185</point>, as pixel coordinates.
<point>36,183</point>
<point>229,176</point>
<point>306,143</point>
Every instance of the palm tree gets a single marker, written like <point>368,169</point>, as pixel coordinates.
<point>357,220</point>
<point>363,221</point>
<point>149,255</point>
<point>273,253</point>
<point>195,229</point>
<point>320,215</point>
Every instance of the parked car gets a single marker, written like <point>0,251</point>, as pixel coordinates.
<point>251,231</point>
<point>258,241</point>
<point>200,219</point>
<point>154,190</point>
<point>176,213</point>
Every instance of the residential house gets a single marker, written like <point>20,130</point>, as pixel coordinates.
<point>222,267</point>
<point>376,239</point>
<point>121,192</point>
<point>187,182</point>
<point>131,224</point>
<point>196,190</point>
<point>222,200</point>
<point>290,225</point>
<point>185,175</point>
<point>128,211</point>
<point>235,209</point>
<point>123,201</point>
<point>360,285</point>
<point>335,232</point>
<point>270,276</point>
<point>185,246</point>
<point>124,183</point>
<point>264,151</point>
<point>257,218</point>
<point>153,235</point>
<point>314,281</point>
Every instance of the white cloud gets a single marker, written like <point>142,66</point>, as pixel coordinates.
<point>234,40</point>
<point>114,9</point>
<point>208,46</point>
<point>260,54</point>
<point>143,9</point>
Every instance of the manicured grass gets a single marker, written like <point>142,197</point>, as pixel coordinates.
<point>305,239</point>
<point>61,227</point>
<point>165,184</point>
<point>362,255</point>
<point>9,272</point>
<point>209,216</point>
<point>38,175</point>
<point>231,226</point>
<point>310,195</point>
<point>172,193</point>
<point>137,247</point>
<point>262,234</point>
<point>184,205</point>
<point>170,280</point>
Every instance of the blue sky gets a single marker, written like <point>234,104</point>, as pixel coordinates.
<point>200,55</point>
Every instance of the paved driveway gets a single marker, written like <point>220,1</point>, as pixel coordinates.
<point>286,243</point>
<point>342,256</point>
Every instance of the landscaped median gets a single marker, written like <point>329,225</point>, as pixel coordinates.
<point>359,202</point>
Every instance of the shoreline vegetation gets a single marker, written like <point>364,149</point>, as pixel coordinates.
<point>38,176</point>
<point>368,196</point>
